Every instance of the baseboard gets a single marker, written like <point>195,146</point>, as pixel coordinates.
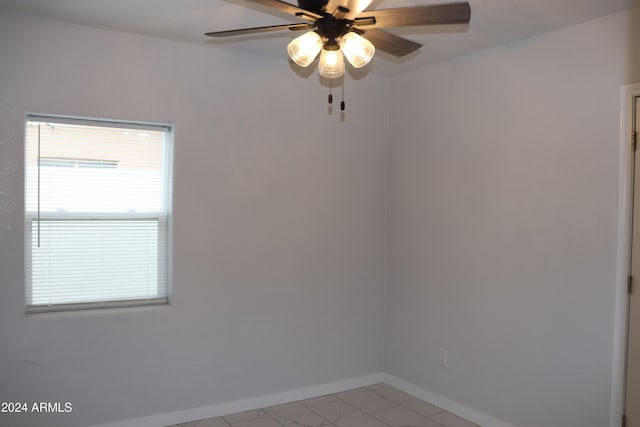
<point>170,418</point>
<point>447,404</point>
<point>225,408</point>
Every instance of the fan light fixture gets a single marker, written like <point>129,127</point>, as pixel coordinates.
<point>358,50</point>
<point>304,49</point>
<point>331,64</point>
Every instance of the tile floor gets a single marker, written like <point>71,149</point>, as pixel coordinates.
<point>379,405</point>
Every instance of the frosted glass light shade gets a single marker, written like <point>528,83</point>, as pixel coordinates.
<point>358,50</point>
<point>331,64</point>
<point>304,49</point>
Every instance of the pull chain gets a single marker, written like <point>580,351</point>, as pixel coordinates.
<point>342,104</point>
<point>330,94</point>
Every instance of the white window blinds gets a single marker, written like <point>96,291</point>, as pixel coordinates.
<point>97,213</point>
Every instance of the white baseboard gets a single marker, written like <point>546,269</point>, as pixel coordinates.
<point>225,408</point>
<point>447,404</point>
<point>170,418</point>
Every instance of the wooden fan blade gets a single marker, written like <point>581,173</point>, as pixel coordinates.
<point>349,8</point>
<point>289,9</point>
<point>390,43</point>
<point>256,30</point>
<point>454,13</point>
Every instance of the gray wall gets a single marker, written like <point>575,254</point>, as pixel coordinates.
<point>504,203</point>
<point>279,225</point>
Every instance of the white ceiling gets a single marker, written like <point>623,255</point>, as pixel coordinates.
<point>493,22</point>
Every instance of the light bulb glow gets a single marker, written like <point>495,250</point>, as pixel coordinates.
<point>304,49</point>
<point>331,64</point>
<point>358,50</point>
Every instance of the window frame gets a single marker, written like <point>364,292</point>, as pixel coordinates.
<point>164,218</point>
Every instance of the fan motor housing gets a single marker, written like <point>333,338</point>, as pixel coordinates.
<point>313,5</point>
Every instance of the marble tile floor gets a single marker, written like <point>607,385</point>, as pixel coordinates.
<point>379,405</point>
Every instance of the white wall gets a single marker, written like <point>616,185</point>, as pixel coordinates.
<point>504,184</point>
<point>279,224</point>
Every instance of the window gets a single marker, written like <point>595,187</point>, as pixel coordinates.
<point>97,200</point>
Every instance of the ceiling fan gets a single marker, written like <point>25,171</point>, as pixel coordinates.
<point>344,27</point>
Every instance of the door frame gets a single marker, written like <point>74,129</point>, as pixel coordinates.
<point>623,263</point>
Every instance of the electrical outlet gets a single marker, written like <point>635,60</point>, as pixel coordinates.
<point>444,357</point>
